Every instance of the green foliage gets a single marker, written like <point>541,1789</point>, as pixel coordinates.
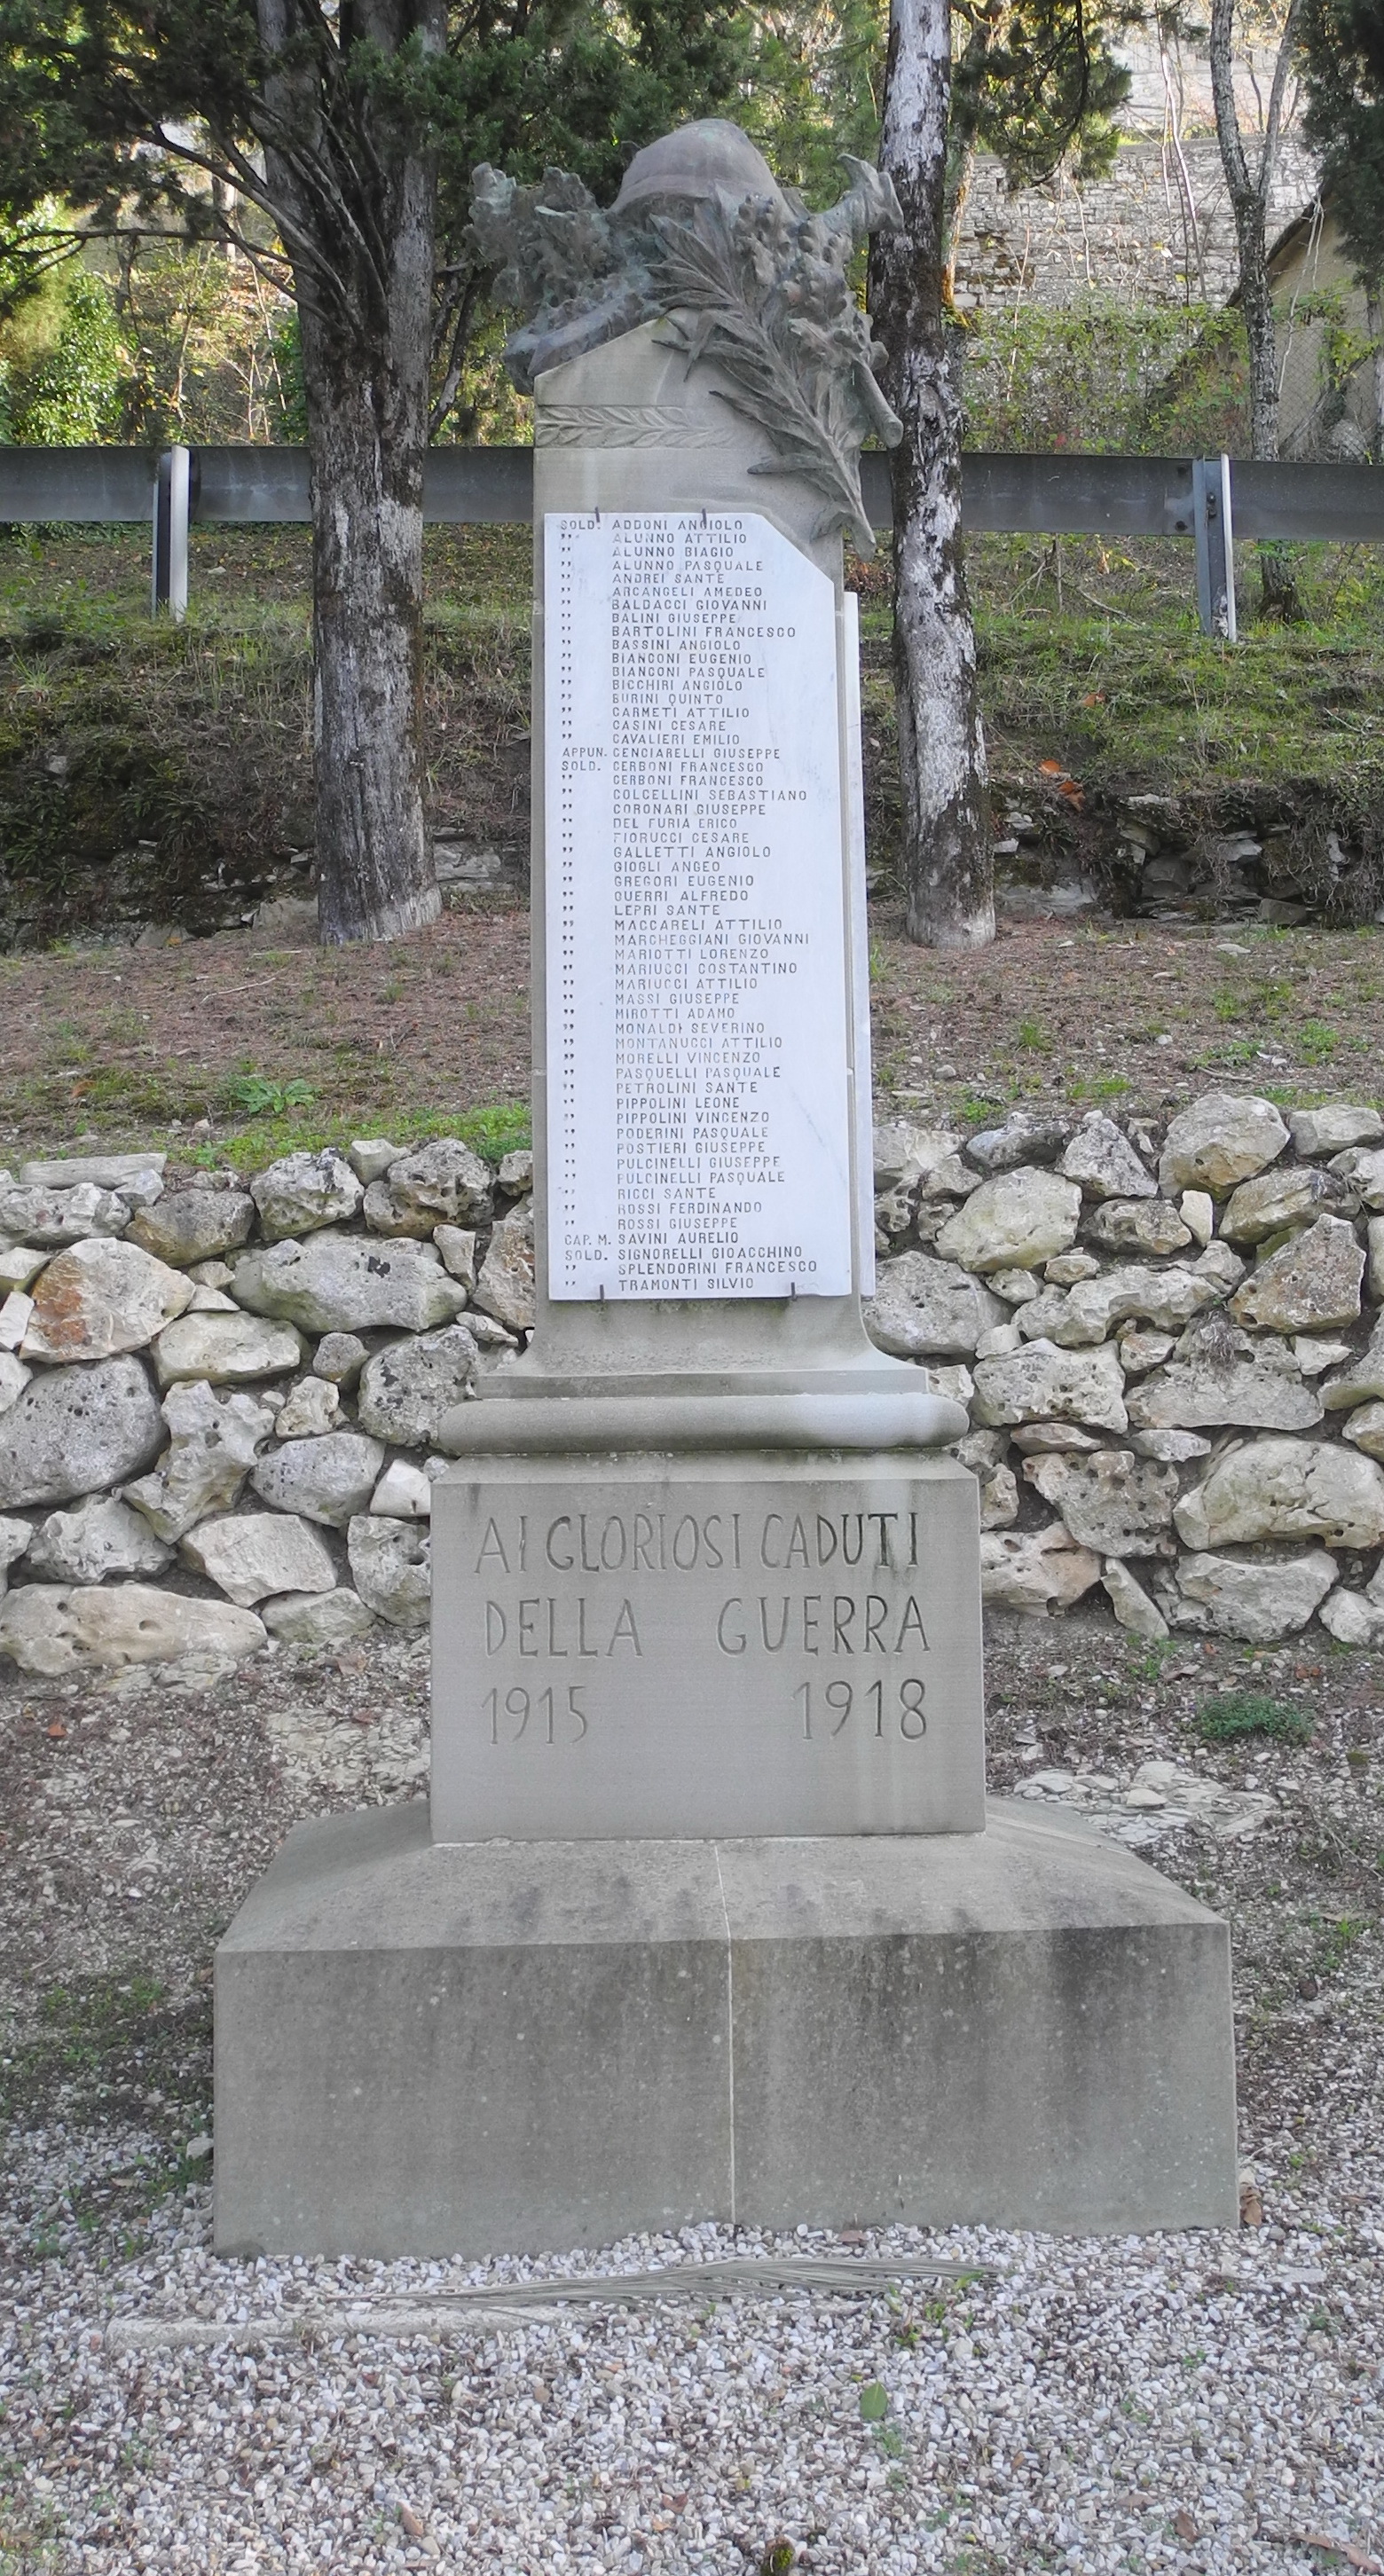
<point>874,2403</point>
<point>1096,375</point>
<point>253,1097</point>
<point>1235,1714</point>
<point>1035,82</point>
<point>62,363</point>
<point>1343,58</point>
<point>495,1129</point>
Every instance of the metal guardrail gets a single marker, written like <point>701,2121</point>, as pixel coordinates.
<point>1209,499</point>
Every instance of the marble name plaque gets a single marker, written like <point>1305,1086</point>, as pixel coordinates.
<point>698,985</point>
<point>697,1653</point>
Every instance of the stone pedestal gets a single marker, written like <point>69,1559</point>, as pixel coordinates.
<point>707,1920</point>
<point>441,2049</point>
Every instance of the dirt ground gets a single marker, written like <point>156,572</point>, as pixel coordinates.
<point>133,1045</point>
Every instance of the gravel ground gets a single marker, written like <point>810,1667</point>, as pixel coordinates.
<point>1204,2401</point>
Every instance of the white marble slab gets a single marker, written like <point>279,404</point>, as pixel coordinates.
<point>699,986</point>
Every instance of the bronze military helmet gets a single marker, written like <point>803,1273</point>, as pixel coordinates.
<point>697,161</point>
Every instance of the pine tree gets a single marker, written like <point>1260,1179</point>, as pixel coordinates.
<point>333,141</point>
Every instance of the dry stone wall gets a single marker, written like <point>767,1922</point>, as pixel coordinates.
<point>220,1402</point>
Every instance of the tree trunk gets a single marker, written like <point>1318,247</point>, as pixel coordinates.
<point>948,872</point>
<point>359,195</point>
<point>1249,200</point>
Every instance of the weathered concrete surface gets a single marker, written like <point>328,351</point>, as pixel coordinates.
<point>466,2049</point>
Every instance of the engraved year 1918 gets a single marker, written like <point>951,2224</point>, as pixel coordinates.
<point>884,1706</point>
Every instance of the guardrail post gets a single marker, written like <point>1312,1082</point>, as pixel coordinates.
<point>1214,530</point>
<point>172,505</point>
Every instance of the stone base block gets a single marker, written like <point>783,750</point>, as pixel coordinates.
<point>473,2048</point>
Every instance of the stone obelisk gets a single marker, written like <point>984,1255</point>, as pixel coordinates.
<point>706,1917</point>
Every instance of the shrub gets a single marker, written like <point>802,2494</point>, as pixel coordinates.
<point>1233,1714</point>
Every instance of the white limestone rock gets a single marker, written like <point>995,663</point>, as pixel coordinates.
<point>1222,1139</point>
<point>1286,1489</point>
<point>345,1283</point>
<point>404,1493</point>
<point>904,1153</point>
<point>1310,1283</point>
<point>1137,1225</point>
<point>505,1288</point>
<point>309,1410</point>
<point>999,1498</point>
<point>1197,1210</point>
<point>1066,1268</point>
<point>1220,1378</point>
<point>50,1217</point>
<point>1364,1382</point>
<point>1014,1221</point>
<point>1365,1428</point>
<point>1172,1448</point>
<point>1363,1172</point>
<point>76,1430</point>
<point>15,1316</point>
<point>1375,1277</point>
<point>195,1225</point>
<point>213,1443</point>
<point>457,1245</point>
<point>1016,1287</point>
<point>1038,1439</point>
<point>100,1538</point>
<point>210,1301</point>
<point>923,1308</point>
<point>1140,1352</point>
<point>1254,1598</point>
<point>407,1391</point>
<point>318,1618</point>
<point>1044,1384</point>
<point>325,1479</point>
<point>1105,1163</point>
<point>515,1175</point>
<point>1218,1262</point>
<point>302,1192</point>
<point>1000,1338</point>
<point>20,1264</point>
<point>391,1566</point>
<point>138,1176</point>
<point>1131,1604</point>
<point>56,1629</point>
<point>1167,1298</point>
<point>15,1374</point>
<point>1353,1619</point>
<point>100,1298</point>
<point>1314,1355</point>
<point>226,1350</point>
<point>1293,1195</point>
<point>250,1555</point>
<point>1113,1501</point>
<point>370,1157</point>
<point>1034,1569</point>
<point>1316,1132</point>
<point>15,1536</point>
<point>1027,1136</point>
<point>949,1179</point>
<point>444,1183</point>
<point>339,1358</point>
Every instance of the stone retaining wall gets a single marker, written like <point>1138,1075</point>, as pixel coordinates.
<point>220,1401</point>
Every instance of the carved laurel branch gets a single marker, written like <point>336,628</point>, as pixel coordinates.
<point>793,370</point>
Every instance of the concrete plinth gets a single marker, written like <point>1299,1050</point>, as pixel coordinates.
<point>472,2048</point>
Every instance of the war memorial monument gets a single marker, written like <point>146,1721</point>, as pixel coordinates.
<point>705,1917</point>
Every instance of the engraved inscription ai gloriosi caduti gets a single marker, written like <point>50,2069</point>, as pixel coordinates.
<point>698,966</point>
